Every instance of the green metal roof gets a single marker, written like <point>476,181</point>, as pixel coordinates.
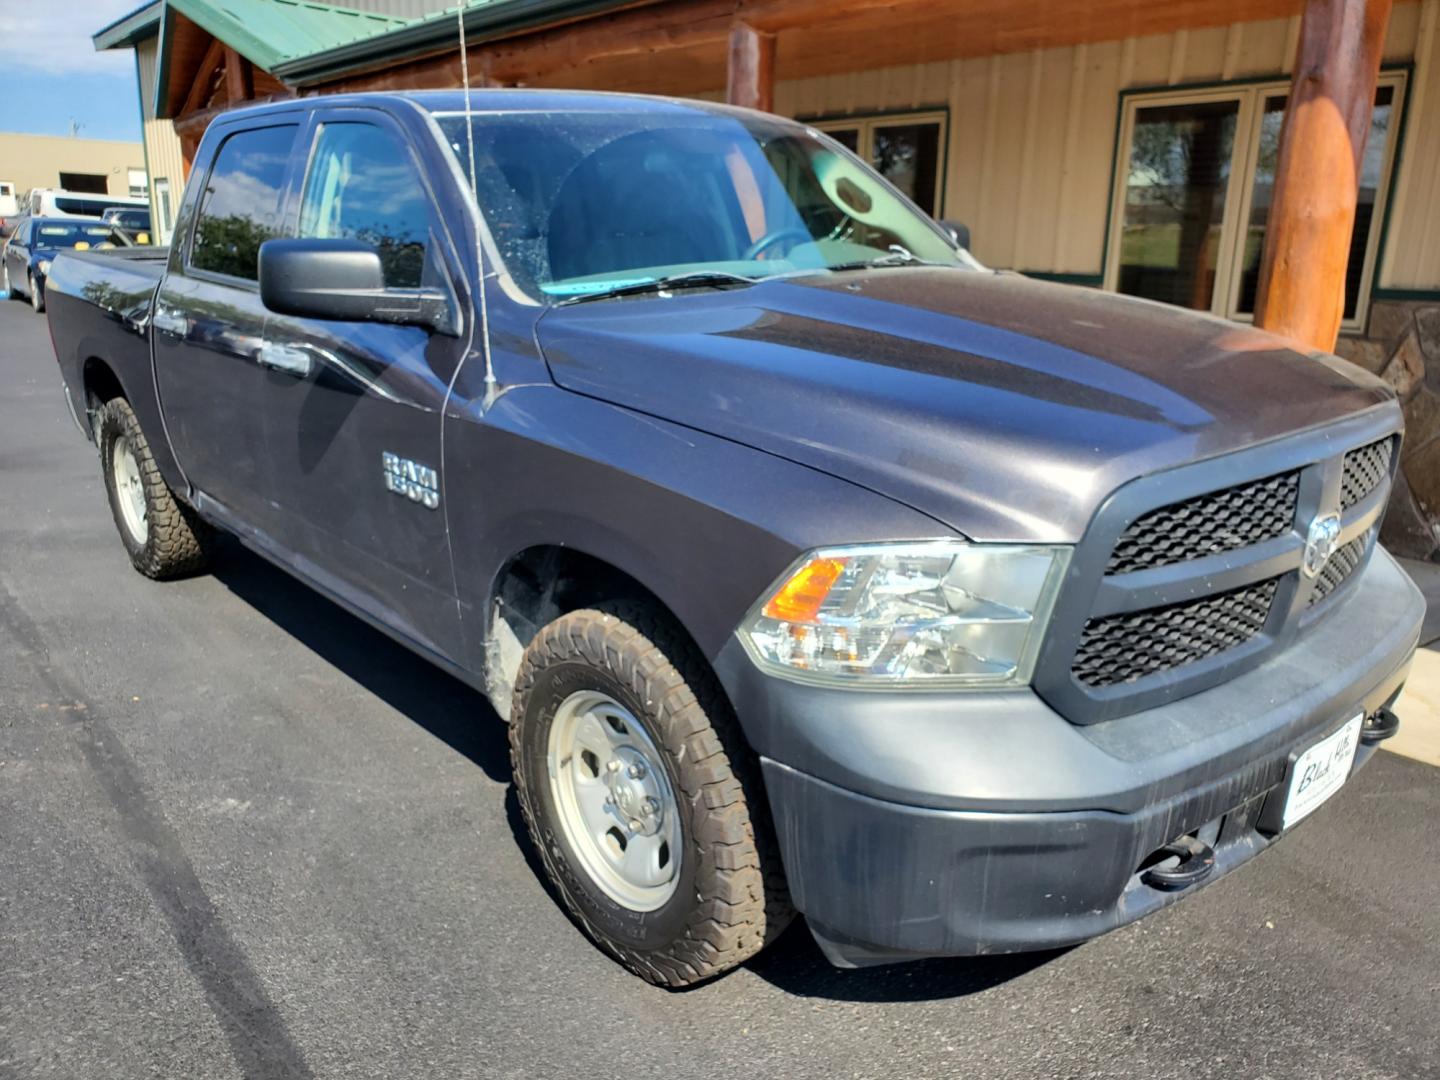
<point>269,32</point>
<point>485,20</point>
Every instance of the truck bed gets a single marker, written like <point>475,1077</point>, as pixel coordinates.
<point>99,304</point>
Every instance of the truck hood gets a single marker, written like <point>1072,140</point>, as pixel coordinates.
<point>1005,408</point>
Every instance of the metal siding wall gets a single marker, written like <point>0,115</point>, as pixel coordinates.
<point>1032,135</point>
<point>163,158</point>
<point>1411,259</point>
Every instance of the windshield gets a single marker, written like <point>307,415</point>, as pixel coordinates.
<point>70,234</point>
<point>588,202</point>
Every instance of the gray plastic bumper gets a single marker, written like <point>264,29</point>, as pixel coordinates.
<point>922,824</point>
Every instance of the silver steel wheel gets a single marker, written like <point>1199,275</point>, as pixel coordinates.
<point>614,800</point>
<point>129,490</point>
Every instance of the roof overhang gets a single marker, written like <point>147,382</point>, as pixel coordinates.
<point>129,30</point>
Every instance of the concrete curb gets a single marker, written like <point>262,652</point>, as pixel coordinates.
<point>1419,706</point>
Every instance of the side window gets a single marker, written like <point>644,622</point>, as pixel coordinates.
<point>362,186</point>
<point>240,207</point>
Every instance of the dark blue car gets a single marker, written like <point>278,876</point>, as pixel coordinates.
<point>35,243</point>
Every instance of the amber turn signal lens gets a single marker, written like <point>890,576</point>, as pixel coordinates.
<point>799,599</point>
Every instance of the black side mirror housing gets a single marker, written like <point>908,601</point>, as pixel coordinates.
<point>958,230</point>
<point>344,281</point>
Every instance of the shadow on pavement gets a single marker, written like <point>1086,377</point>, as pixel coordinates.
<point>795,965</point>
<point>454,713</point>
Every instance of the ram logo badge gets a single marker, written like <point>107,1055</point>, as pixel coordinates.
<point>418,483</point>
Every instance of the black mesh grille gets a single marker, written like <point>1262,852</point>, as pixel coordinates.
<point>1208,525</point>
<point>1122,648</point>
<point>1365,469</point>
<point>1339,567</point>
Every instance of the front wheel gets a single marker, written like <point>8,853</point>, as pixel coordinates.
<point>633,783</point>
<point>162,536</point>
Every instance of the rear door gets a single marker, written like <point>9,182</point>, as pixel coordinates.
<point>17,254</point>
<point>355,407</point>
<point>209,325</point>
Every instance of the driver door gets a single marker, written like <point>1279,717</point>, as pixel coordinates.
<point>354,408</point>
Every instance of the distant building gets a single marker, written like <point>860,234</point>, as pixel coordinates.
<point>1126,145</point>
<point>99,166</point>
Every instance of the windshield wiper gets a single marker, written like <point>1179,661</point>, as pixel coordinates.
<point>718,279</point>
<point>898,256</point>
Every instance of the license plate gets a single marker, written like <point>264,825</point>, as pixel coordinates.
<point>1321,770</point>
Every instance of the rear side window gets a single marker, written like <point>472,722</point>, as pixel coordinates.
<point>362,186</point>
<point>240,207</point>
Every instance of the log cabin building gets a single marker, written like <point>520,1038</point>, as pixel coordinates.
<point>1147,148</point>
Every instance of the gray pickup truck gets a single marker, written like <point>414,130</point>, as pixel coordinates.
<point>812,565</point>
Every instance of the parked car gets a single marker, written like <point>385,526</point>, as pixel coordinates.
<point>37,240</point>
<point>811,564</point>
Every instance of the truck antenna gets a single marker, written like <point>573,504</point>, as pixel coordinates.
<point>475,192</point>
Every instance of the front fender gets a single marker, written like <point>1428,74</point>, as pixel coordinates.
<point>704,523</point>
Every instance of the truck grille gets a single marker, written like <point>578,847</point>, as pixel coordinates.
<point>1339,567</point>
<point>1364,471</point>
<point>1124,648</point>
<point>1221,521</point>
<point>1148,615</point>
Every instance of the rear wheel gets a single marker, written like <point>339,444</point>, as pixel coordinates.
<point>162,536</point>
<point>637,791</point>
<point>11,293</point>
<point>37,298</point>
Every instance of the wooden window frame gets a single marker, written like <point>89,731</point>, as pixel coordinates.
<point>866,123</point>
<point>1250,95</point>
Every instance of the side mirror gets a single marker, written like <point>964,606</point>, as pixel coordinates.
<point>344,281</point>
<point>958,230</point>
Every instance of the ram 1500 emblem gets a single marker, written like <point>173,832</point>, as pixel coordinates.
<point>418,483</point>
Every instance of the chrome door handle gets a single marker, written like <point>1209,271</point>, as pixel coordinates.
<point>286,358</point>
<point>169,322</point>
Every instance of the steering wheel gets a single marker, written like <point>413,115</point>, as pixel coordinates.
<point>795,233</point>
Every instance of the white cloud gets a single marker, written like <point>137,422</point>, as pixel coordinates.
<point>55,37</point>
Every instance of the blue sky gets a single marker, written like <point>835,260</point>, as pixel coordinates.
<point>53,76</point>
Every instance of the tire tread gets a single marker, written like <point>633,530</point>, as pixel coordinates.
<point>742,902</point>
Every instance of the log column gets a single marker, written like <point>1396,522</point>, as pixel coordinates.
<point>750,77</point>
<point>1317,175</point>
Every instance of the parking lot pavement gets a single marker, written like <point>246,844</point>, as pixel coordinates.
<point>241,834</point>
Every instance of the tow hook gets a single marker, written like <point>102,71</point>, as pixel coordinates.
<point>1197,859</point>
<point>1379,726</point>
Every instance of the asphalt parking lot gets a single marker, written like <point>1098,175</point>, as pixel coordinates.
<point>241,834</point>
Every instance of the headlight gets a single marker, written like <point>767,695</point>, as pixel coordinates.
<point>44,265</point>
<point>942,613</point>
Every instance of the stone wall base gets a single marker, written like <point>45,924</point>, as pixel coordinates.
<point>1403,348</point>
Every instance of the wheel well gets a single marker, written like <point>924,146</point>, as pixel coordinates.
<point>536,587</point>
<point>540,584</point>
<point>101,385</point>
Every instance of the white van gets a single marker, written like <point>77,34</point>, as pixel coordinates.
<point>55,202</point>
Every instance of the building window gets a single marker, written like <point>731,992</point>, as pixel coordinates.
<point>163,213</point>
<point>137,182</point>
<point>1193,188</point>
<point>907,149</point>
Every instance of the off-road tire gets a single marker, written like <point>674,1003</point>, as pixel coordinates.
<point>731,900</point>
<point>37,299</point>
<point>177,540</point>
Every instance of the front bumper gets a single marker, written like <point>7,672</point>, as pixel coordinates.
<point>923,823</point>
